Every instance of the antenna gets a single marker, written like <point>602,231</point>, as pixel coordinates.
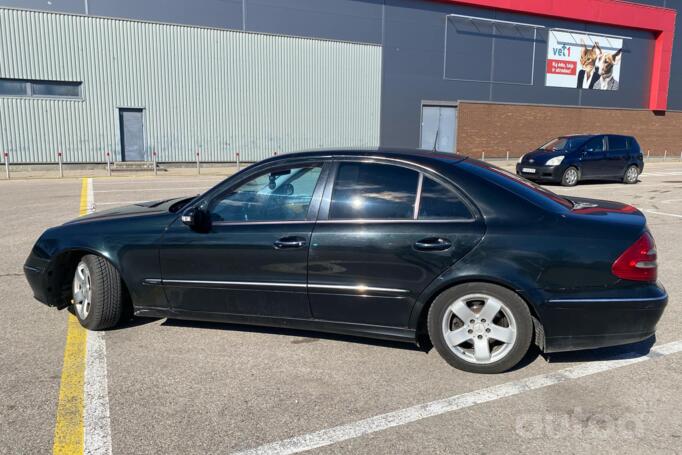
<point>435,141</point>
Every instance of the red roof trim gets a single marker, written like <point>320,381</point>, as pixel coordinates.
<point>659,21</point>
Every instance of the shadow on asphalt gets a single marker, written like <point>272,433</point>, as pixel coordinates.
<point>586,183</point>
<point>632,350</point>
<point>301,336</point>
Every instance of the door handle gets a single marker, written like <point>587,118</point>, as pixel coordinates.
<point>433,244</point>
<point>290,242</point>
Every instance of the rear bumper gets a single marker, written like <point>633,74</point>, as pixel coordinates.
<point>577,322</point>
<point>541,174</point>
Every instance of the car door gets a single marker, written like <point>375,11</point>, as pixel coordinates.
<point>377,244</point>
<point>593,159</point>
<point>252,259</point>
<point>618,155</point>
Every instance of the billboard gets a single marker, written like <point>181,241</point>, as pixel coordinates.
<point>584,61</point>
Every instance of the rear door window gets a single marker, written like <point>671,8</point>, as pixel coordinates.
<point>438,202</point>
<point>618,143</point>
<point>373,191</point>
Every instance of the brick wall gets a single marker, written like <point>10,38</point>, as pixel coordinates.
<point>500,128</point>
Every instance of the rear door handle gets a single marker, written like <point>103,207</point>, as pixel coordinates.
<point>433,244</point>
<point>290,242</point>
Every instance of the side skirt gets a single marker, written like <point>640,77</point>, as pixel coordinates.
<point>317,325</point>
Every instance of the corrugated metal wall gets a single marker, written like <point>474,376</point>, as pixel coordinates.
<point>215,91</point>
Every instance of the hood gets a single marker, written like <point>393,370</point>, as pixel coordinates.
<point>134,210</point>
<point>540,157</point>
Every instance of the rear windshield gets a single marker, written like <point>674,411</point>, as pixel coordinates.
<point>563,143</point>
<point>532,190</point>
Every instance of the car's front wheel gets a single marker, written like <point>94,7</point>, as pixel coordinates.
<point>631,175</point>
<point>480,327</point>
<point>570,177</point>
<point>97,293</point>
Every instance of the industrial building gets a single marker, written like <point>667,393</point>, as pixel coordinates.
<point>171,79</point>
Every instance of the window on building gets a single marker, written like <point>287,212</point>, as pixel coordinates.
<point>373,192</point>
<point>11,87</point>
<point>440,202</point>
<point>39,89</point>
<point>487,50</point>
<point>56,88</point>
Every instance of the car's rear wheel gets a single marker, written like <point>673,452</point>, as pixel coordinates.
<point>570,177</point>
<point>631,175</point>
<point>480,327</point>
<point>97,293</point>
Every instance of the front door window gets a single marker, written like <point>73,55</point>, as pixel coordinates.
<point>279,195</point>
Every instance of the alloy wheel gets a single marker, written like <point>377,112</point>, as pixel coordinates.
<point>571,177</point>
<point>479,329</point>
<point>632,174</point>
<point>82,290</point>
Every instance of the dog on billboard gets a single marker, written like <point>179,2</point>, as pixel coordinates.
<point>589,75</point>
<point>608,61</point>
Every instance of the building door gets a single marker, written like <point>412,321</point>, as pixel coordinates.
<point>132,134</point>
<point>439,128</point>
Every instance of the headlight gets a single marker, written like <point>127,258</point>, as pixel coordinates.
<point>521,159</point>
<point>555,161</point>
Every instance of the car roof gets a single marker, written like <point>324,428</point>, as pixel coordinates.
<point>574,136</point>
<point>381,152</point>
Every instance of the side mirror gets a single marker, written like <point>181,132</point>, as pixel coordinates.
<point>189,217</point>
<point>196,218</point>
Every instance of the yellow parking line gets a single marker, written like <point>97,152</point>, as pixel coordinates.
<point>68,431</point>
<point>84,197</point>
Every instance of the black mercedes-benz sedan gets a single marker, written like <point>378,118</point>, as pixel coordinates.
<point>400,245</point>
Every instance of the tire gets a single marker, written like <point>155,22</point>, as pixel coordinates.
<point>570,177</point>
<point>511,321</point>
<point>631,175</point>
<point>97,293</point>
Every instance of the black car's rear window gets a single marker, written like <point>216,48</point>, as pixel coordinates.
<point>526,188</point>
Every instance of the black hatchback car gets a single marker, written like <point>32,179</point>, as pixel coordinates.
<point>378,243</point>
<point>570,159</point>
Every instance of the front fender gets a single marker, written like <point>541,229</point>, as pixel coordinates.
<point>130,244</point>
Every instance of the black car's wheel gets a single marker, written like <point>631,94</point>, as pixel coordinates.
<point>97,293</point>
<point>570,177</point>
<point>631,175</point>
<point>480,327</point>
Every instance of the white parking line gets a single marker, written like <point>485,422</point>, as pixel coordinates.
<point>422,411</point>
<point>136,190</point>
<point>160,181</point>
<point>660,174</point>
<point>674,215</point>
<point>96,424</point>
<point>121,203</point>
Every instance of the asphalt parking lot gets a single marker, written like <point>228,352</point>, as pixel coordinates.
<point>188,387</point>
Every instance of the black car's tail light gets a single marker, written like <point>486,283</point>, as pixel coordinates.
<point>638,263</point>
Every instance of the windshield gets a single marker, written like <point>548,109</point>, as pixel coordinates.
<point>562,143</point>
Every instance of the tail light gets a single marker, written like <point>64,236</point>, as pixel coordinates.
<point>638,262</point>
